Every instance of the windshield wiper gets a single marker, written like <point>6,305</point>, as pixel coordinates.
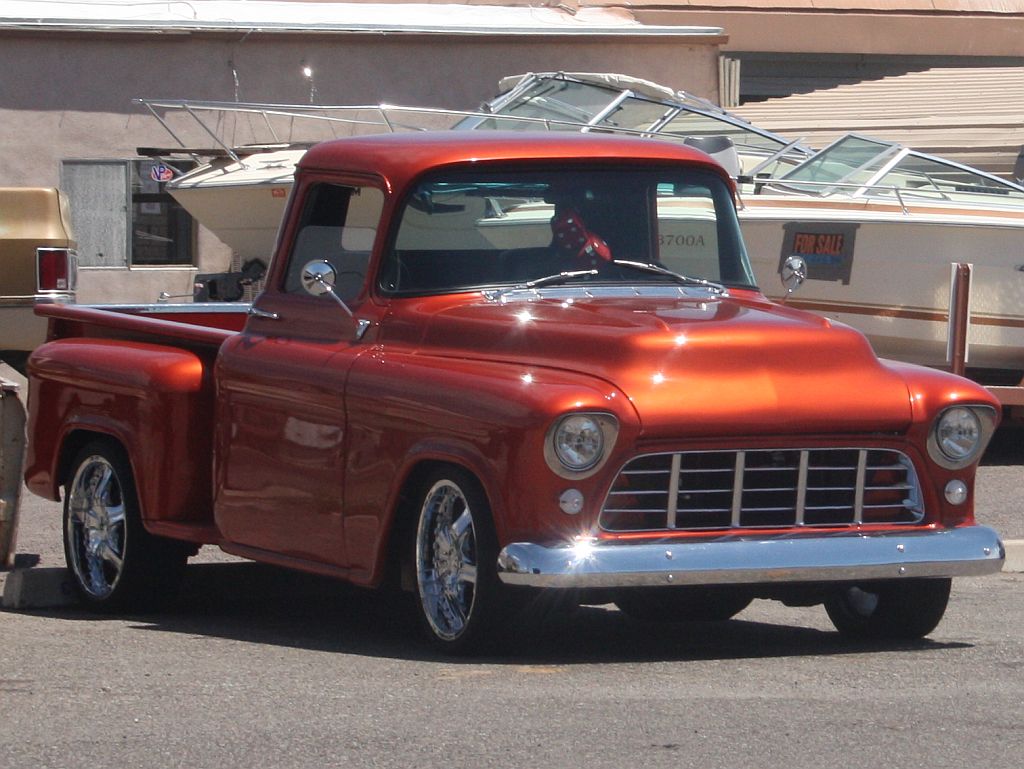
<point>685,280</point>
<point>554,280</point>
<point>547,280</point>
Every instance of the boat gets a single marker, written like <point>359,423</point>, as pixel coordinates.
<point>877,225</point>
<point>236,186</point>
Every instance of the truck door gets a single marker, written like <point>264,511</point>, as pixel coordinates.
<point>281,418</point>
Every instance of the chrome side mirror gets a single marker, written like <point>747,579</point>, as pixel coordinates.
<point>318,278</point>
<point>793,273</point>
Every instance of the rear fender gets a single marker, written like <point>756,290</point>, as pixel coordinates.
<point>155,400</point>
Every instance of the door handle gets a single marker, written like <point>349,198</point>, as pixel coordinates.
<point>256,312</point>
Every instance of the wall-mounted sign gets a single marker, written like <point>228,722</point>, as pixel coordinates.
<point>161,172</point>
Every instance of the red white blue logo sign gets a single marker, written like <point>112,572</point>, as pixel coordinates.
<point>161,172</point>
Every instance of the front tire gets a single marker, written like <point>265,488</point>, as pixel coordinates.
<point>114,562</point>
<point>906,610</point>
<point>455,556</point>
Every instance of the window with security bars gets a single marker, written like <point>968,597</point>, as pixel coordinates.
<point>122,215</point>
<point>163,233</point>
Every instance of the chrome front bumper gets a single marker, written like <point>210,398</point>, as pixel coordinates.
<point>806,557</point>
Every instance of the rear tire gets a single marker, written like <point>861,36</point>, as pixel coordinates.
<point>909,609</point>
<point>115,564</point>
<point>684,604</point>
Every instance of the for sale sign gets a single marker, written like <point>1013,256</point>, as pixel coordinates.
<point>826,248</point>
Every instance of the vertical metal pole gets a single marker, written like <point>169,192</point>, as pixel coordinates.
<point>959,316</point>
<point>12,454</point>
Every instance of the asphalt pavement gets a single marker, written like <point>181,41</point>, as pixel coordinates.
<point>258,666</point>
<point>263,668</point>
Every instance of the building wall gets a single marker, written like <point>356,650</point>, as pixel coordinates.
<point>65,96</point>
<point>817,28</point>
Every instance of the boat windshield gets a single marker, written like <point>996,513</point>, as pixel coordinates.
<point>623,105</point>
<point>461,231</point>
<point>858,165</point>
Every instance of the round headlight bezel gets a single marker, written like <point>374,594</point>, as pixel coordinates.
<point>960,434</point>
<point>570,434</point>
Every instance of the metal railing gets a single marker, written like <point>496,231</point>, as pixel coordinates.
<point>391,118</point>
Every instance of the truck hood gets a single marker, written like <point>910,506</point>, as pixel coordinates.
<point>709,367</point>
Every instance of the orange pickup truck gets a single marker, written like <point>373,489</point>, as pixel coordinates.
<point>477,371</point>
<point>37,264</point>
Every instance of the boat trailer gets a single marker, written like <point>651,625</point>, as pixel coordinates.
<point>957,345</point>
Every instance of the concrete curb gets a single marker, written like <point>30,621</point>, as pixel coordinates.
<point>37,588</point>
<point>47,588</point>
<point>1014,555</point>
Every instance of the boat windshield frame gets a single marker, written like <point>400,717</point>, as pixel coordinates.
<point>530,90</point>
<point>888,159</point>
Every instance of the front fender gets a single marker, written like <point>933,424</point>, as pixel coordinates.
<point>488,417</point>
<point>931,391</point>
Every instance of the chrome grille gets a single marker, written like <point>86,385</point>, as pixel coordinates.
<point>763,488</point>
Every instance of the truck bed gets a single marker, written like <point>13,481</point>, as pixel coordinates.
<point>142,376</point>
<point>193,324</point>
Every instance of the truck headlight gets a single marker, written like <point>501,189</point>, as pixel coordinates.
<point>578,444</point>
<point>960,434</point>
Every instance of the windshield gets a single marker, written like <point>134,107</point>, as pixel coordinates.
<point>468,230</point>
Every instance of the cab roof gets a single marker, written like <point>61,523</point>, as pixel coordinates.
<point>403,156</point>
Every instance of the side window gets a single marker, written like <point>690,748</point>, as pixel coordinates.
<point>338,224</point>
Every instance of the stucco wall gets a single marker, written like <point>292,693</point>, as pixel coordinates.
<point>66,96</point>
<point>70,97</point>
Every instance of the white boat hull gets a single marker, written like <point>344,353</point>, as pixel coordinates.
<point>242,203</point>
<point>898,266</point>
<point>898,272</point>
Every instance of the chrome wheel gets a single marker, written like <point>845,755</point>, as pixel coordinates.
<point>115,563</point>
<point>446,560</point>
<point>95,527</point>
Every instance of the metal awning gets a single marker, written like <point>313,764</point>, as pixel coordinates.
<point>282,16</point>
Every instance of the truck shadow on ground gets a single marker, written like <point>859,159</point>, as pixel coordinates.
<point>263,605</point>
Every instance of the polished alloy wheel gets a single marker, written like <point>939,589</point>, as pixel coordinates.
<point>446,560</point>
<point>96,527</point>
